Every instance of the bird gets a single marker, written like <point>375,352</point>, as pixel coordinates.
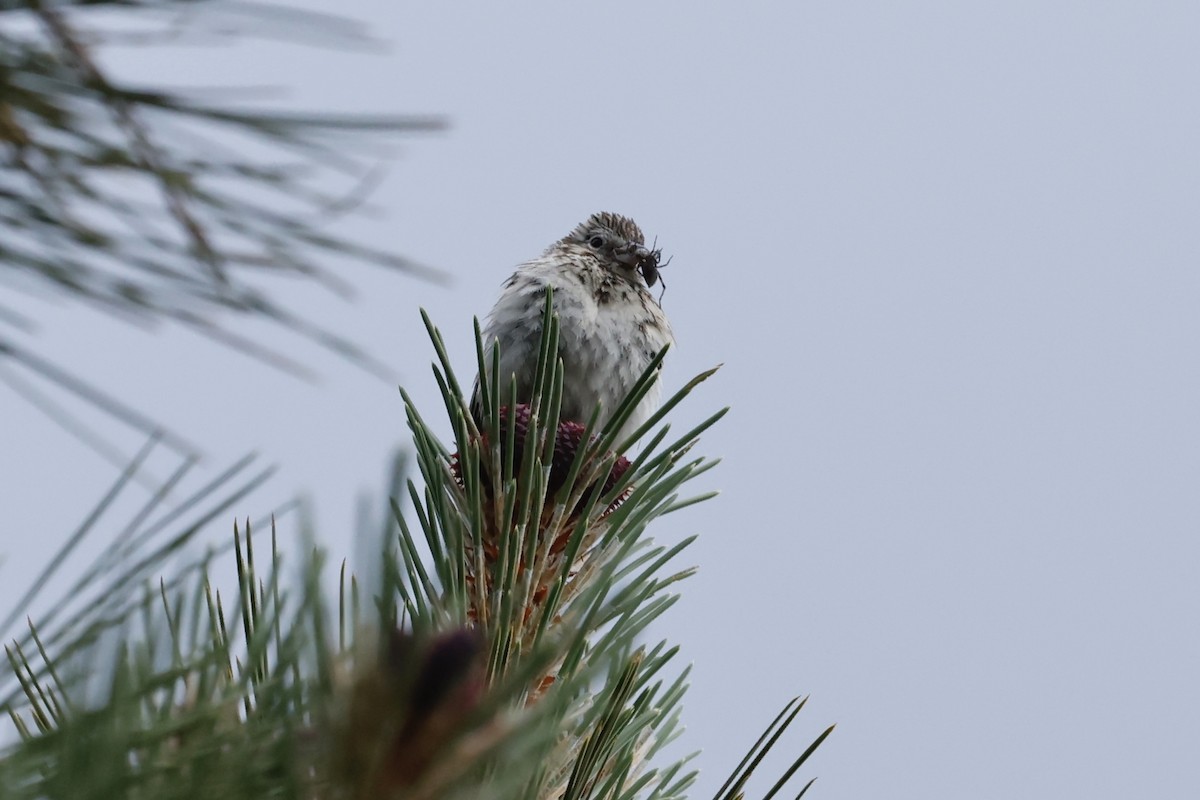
<point>610,325</point>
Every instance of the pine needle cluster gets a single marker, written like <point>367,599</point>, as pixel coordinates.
<point>503,655</point>
<point>152,204</point>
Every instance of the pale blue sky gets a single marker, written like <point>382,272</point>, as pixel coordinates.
<point>948,255</point>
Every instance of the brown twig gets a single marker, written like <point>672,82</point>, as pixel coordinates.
<point>142,146</point>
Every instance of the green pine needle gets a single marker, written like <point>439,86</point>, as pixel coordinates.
<point>503,654</point>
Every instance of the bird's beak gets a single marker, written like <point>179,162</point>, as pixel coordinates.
<point>632,255</point>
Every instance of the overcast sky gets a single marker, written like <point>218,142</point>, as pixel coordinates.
<point>948,254</point>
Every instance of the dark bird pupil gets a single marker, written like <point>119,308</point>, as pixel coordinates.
<point>597,241</point>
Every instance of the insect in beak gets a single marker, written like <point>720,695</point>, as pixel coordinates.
<point>650,265</point>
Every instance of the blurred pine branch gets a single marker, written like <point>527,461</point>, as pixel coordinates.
<point>150,204</point>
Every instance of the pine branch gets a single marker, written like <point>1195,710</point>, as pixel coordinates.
<point>503,655</point>
<point>147,204</point>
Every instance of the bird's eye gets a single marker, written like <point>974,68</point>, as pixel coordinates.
<point>596,242</point>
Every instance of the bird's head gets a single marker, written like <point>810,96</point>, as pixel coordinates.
<point>615,243</point>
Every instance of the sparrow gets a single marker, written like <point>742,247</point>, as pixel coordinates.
<point>610,325</point>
